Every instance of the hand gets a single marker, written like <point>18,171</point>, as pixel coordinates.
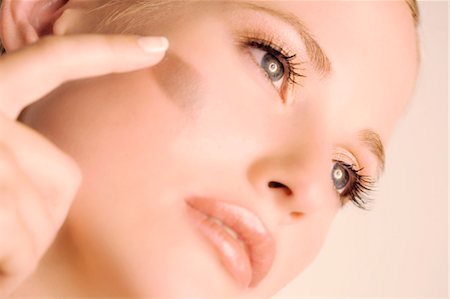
<point>38,181</point>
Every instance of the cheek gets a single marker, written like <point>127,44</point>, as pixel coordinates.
<point>122,131</point>
<point>104,119</point>
<point>179,81</point>
<point>119,129</point>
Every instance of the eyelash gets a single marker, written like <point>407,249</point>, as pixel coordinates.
<point>287,58</point>
<point>361,186</point>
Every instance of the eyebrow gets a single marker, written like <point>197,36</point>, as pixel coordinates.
<point>320,60</point>
<point>372,141</point>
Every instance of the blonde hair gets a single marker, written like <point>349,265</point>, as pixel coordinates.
<point>154,4</point>
<point>414,11</point>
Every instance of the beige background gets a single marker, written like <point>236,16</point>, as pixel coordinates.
<point>400,248</point>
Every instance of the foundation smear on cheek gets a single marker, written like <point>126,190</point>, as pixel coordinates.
<point>179,81</point>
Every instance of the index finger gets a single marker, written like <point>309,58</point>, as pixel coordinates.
<point>28,74</point>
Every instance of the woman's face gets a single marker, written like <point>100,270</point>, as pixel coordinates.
<point>221,120</point>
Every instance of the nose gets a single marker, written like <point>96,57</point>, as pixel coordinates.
<point>296,181</point>
<point>296,187</point>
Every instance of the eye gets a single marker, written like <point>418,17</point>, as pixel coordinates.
<point>278,65</point>
<point>351,185</point>
<point>271,65</point>
<point>341,178</point>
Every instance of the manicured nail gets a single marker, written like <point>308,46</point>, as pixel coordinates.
<point>152,44</point>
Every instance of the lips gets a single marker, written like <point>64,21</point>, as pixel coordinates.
<point>244,245</point>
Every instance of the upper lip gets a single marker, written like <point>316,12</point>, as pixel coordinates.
<point>259,243</point>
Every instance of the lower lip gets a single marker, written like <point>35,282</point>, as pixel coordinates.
<point>231,252</point>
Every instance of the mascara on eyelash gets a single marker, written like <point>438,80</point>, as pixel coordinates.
<point>362,185</point>
<point>269,46</point>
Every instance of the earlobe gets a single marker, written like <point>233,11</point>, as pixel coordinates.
<point>24,21</point>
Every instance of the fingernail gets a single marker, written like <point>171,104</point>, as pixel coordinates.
<point>152,44</point>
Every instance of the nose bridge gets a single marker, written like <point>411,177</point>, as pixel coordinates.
<point>294,170</point>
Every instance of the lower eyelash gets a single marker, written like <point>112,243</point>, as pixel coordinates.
<point>362,186</point>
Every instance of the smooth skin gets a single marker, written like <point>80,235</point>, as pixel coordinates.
<point>206,121</point>
<point>38,180</point>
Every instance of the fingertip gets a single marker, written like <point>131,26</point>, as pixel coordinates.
<point>75,175</point>
<point>70,176</point>
<point>150,51</point>
<point>153,44</point>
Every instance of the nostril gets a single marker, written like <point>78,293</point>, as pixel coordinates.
<point>273,184</point>
<point>295,215</point>
<point>278,185</point>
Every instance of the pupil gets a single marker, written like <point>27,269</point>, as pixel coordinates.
<point>273,67</point>
<point>340,176</point>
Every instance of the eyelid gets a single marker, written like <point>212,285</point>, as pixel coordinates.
<point>346,157</point>
<point>349,157</point>
<point>287,26</point>
<point>264,31</point>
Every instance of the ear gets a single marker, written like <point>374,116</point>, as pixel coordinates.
<point>25,21</point>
